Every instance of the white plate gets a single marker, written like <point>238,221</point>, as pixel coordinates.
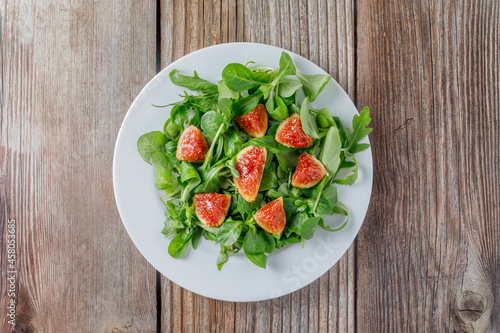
<point>289,268</point>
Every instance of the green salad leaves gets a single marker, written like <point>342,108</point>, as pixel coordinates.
<point>212,107</point>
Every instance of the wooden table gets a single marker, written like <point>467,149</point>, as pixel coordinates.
<point>427,256</point>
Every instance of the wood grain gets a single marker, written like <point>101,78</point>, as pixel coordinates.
<point>428,258</point>
<point>69,71</point>
<point>323,32</point>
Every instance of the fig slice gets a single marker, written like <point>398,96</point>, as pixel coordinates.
<point>192,146</point>
<point>250,164</point>
<point>254,123</point>
<point>272,217</point>
<point>309,172</point>
<point>211,208</point>
<point>290,133</point>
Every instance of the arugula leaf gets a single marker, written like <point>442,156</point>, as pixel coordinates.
<point>211,122</point>
<point>188,172</point>
<point>246,104</point>
<point>246,208</point>
<point>210,236</point>
<point>171,130</point>
<point>267,142</point>
<point>330,152</point>
<point>222,258</point>
<point>351,178</point>
<point>340,126</point>
<point>150,143</point>
<point>359,131</point>
<point>274,194</point>
<point>308,120</point>
<point>308,226</point>
<point>210,181</point>
<point>232,144</point>
<point>338,210</point>
<point>180,243</point>
<point>174,208</point>
<point>208,155</point>
<point>286,66</point>
<point>231,164</point>
<point>179,116</point>
<point>254,242</point>
<point>283,188</point>
<point>287,161</point>
<point>196,118</point>
<point>189,177</point>
<point>270,241</point>
<point>170,151</point>
<point>225,92</point>
<point>282,162</point>
<point>163,176</point>
<point>229,232</point>
<point>326,201</point>
<point>324,118</point>
<point>201,102</point>
<point>239,78</point>
<point>197,233</point>
<point>258,259</point>
<point>226,107</point>
<point>280,112</point>
<point>269,178</point>
<point>313,85</point>
<point>170,226</point>
<point>303,225</point>
<point>262,76</point>
<point>288,87</point>
<point>191,82</point>
<point>220,149</point>
<point>290,240</point>
<point>294,108</point>
<point>294,225</point>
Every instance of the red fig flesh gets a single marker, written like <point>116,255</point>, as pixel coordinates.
<point>309,172</point>
<point>250,164</point>
<point>272,217</point>
<point>290,133</point>
<point>192,146</point>
<point>211,208</point>
<point>254,123</point>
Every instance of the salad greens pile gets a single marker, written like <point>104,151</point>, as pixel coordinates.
<point>212,107</point>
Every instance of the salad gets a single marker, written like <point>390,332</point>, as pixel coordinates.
<point>248,163</point>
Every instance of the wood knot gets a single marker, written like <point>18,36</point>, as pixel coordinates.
<point>24,328</point>
<point>471,306</point>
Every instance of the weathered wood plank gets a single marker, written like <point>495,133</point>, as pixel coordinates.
<point>477,25</point>
<point>428,258</point>
<point>324,32</point>
<point>69,71</point>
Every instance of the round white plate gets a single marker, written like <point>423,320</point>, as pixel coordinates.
<point>289,268</point>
